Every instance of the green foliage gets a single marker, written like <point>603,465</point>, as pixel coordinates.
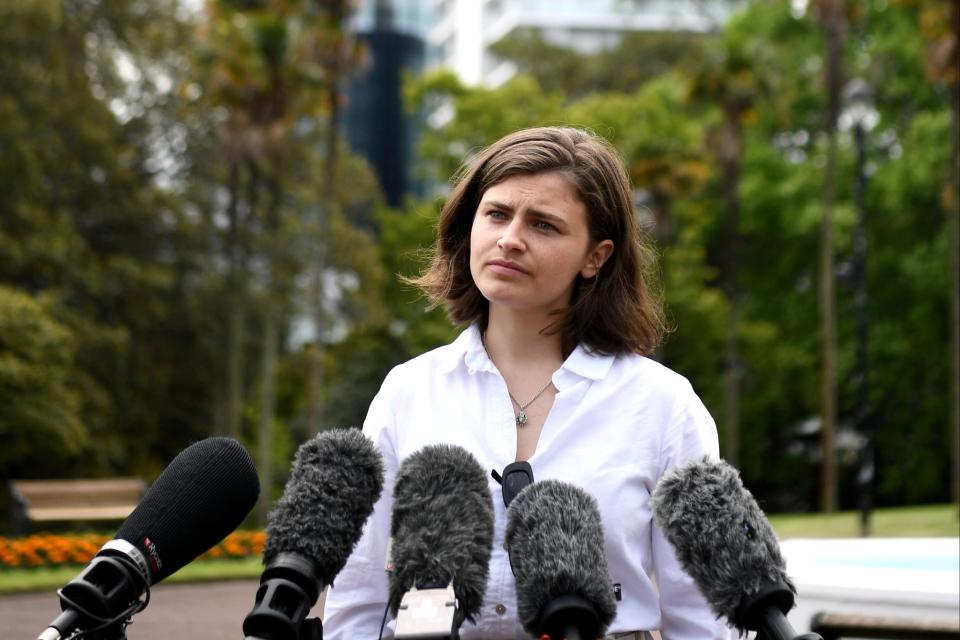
<point>482,116</point>
<point>638,58</point>
<point>763,72</point>
<point>83,223</point>
<point>357,366</point>
<point>160,166</point>
<point>406,238</point>
<point>41,424</point>
<point>909,297</point>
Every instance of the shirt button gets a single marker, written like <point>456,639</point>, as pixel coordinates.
<point>500,609</point>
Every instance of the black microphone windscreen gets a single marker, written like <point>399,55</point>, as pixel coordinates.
<point>721,537</point>
<point>336,478</point>
<point>554,538</point>
<point>441,526</point>
<point>202,495</point>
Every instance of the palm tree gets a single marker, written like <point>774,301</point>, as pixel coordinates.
<point>730,77</point>
<point>833,21</point>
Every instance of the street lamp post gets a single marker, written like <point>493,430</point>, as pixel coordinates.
<point>859,114</point>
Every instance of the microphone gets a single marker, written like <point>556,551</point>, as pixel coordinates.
<point>336,478</point>
<point>725,543</point>
<point>200,497</point>
<point>441,530</point>
<point>554,539</point>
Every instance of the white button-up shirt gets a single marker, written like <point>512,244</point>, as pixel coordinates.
<point>616,425</point>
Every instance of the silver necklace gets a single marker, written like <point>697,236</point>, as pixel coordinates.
<point>522,416</point>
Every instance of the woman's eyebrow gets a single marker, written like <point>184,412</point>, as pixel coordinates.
<point>496,204</point>
<point>539,213</point>
<point>549,217</point>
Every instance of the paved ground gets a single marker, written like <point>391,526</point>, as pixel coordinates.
<point>203,611</point>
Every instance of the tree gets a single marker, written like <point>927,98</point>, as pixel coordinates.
<point>42,422</point>
<point>276,67</point>
<point>834,25</point>
<point>337,53</point>
<point>478,116</point>
<point>636,59</point>
<point>729,78</point>
<point>83,222</point>
<point>940,26</point>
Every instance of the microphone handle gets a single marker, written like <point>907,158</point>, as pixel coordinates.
<point>572,632</point>
<point>63,624</point>
<point>775,626</point>
<point>64,627</point>
<point>311,629</point>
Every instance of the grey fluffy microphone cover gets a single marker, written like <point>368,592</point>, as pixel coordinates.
<point>721,537</point>
<point>337,477</point>
<point>441,526</point>
<point>554,537</point>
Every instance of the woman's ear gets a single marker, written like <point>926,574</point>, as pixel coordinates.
<point>595,259</point>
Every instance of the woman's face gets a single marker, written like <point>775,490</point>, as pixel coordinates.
<point>530,240</point>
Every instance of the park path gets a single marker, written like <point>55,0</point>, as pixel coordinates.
<point>195,611</point>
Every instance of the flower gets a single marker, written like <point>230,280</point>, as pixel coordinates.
<point>55,550</point>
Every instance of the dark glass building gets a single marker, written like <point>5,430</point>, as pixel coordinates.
<point>377,125</point>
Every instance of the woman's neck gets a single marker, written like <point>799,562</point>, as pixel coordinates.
<point>515,338</point>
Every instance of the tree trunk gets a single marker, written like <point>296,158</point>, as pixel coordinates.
<point>338,12</point>
<point>236,320</point>
<point>275,296</point>
<point>732,146</point>
<point>268,376</point>
<point>833,24</point>
<point>235,337</point>
<point>954,231</point>
<point>316,355</point>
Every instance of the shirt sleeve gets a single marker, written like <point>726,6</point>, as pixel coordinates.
<point>357,600</point>
<point>684,612</point>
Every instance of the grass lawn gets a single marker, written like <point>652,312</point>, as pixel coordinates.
<point>901,522</point>
<point>52,578</point>
<point>929,521</point>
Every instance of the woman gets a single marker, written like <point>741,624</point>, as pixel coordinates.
<point>538,254</point>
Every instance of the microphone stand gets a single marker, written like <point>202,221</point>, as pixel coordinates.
<point>112,582</point>
<point>766,613</point>
<point>311,629</point>
<point>289,587</point>
<point>68,619</point>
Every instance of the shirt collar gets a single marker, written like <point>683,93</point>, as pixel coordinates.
<point>587,364</point>
<point>468,348</point>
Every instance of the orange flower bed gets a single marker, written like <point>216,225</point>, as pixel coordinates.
<point>55,550</point>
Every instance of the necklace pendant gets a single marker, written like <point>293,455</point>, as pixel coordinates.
<point>521,418</point>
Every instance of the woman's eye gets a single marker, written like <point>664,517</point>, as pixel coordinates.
<point>497,215</point>
<point>544,226</point>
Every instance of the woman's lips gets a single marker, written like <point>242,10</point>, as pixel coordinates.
<point>506,268</point>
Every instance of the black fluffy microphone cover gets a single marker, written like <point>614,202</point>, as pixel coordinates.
<point>722,538</point>
<point>201,496</point>
<point>336,478</point>
<point>554,537</point>
<point>441,526</point>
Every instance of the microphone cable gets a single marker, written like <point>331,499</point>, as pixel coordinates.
<point>127,614</point>
<point>383,623</point>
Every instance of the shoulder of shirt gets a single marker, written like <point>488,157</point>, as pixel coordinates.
<point>632,370</point>
<point>438,360</point>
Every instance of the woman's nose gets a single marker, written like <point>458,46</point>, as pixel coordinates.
<point>512,238</point>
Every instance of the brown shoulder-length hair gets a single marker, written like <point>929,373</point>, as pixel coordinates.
<point>616,311</point>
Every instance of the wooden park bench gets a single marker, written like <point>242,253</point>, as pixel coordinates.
<point>832,626</point>
<point>42,501</point>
